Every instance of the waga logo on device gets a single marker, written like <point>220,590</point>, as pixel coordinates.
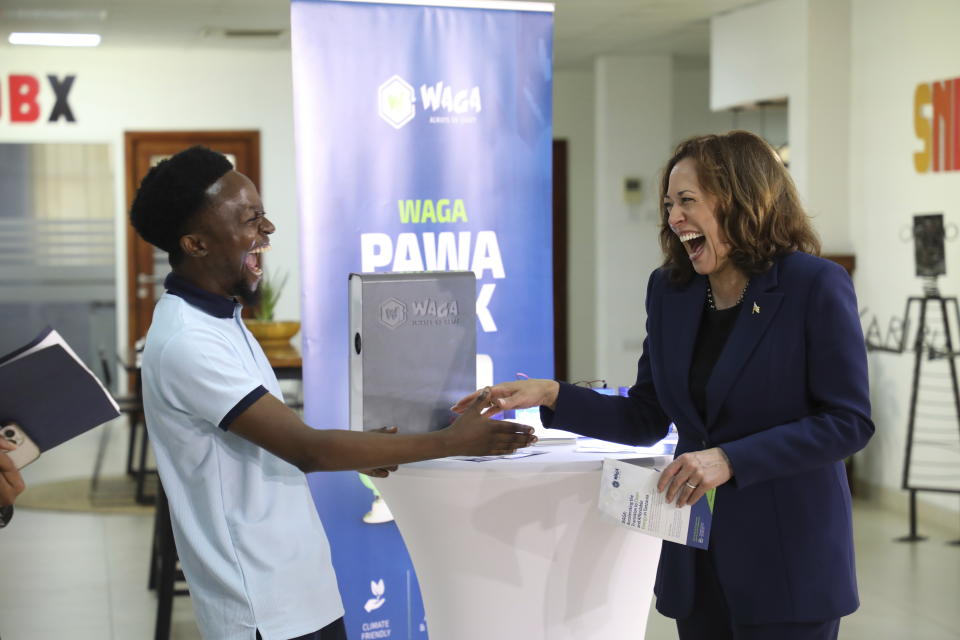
<point>393,313</point>
<point>378,589</point>
<point>396,102</point>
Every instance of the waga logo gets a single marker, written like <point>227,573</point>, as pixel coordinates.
<point>378,589</point>
<point>396,102</point>
<point>393,313</point>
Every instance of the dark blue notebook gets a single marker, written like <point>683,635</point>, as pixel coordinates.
<point>50,393</point>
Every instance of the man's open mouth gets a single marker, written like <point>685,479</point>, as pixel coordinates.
<point>254,260</point>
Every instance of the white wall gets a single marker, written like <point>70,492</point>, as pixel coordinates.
<point>633,107</point>
<point>758,53</point>
<point>119,90</point>
<point>693,116</point>
<point>691,113</point>
<point>894,47</point>
<point>827,113</point>
<point>799,50</point>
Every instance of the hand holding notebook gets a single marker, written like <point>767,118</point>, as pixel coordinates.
<point>48,396</point>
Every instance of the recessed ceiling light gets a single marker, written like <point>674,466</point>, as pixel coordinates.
<point>56,39</point>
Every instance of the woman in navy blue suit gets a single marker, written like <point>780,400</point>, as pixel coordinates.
<point>754,350</point>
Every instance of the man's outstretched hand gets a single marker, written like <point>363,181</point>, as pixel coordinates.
<point>474,433</point>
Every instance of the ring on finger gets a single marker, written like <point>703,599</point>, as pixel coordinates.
<point>692,486</point>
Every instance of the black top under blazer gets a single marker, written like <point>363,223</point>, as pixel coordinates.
<point>787,401</point>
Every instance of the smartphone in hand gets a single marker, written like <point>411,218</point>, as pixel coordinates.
<point>26,452</point>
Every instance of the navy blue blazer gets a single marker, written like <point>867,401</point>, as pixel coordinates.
<point>787,401</point>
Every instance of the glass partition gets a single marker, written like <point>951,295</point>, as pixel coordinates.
<point>57,251</point>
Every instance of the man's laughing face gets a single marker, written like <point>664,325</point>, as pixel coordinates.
<point>237,233</point>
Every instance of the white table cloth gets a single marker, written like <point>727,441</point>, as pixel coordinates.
<point>517,549</point>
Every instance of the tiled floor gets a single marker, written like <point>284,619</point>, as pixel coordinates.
<point>84,577</point>
<point>907,591</point>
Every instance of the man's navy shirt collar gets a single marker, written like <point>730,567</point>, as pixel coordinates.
<point>210,303</point>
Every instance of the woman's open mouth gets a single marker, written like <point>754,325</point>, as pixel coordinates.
<point>694,243</point>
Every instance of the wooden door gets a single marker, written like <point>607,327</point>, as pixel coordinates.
<point>146,264</point>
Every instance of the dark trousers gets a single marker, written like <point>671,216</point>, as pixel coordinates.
<point>333,631</point>
<point>711,618</point>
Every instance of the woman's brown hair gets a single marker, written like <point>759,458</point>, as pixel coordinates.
<point>757,206</point>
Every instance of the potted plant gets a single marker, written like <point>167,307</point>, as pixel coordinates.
<point>273,335</point>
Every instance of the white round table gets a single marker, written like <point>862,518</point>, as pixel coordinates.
<point>517,548</point>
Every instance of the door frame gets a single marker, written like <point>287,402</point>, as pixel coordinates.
<point>561,338</point>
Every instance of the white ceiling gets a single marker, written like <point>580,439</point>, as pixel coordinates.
<point>584,29</point>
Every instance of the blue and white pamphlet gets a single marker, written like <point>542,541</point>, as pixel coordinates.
<point>628,494</point>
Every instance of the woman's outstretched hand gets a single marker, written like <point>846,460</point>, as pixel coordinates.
<point>519,394</point>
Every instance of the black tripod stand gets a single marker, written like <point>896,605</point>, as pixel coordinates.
<point>937,427</point>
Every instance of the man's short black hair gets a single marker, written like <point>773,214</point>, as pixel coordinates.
<point>172,193</point>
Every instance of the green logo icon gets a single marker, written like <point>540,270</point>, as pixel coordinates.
<point>396,102</point>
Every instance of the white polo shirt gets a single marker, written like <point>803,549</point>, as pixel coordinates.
<point>249,539</point>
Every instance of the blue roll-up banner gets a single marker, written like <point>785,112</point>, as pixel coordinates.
<point>423,139</point>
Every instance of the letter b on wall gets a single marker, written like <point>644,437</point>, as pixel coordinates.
<point>23,98</point>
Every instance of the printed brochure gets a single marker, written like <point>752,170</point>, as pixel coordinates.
<point>629,495</point>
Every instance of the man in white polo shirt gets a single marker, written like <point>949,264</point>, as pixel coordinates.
<point>230,454</point>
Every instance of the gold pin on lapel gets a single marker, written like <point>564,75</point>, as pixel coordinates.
<point>756,308</point>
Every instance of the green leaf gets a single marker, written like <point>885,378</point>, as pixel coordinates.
<point>270,290</point>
